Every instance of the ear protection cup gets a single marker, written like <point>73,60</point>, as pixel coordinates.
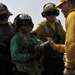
<point>57,12</point>
<point>43,14</point>
<point>17,21</point>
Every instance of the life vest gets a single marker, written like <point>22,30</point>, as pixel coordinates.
<point>5,38</point>
<point>55,35</point>
<point>49,32</point>
<point>31,66</point>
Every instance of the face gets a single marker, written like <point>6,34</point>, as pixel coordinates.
<point>3,18</point>
<point>64,8</point>
<point>26,29</point>
<point>51,18</point>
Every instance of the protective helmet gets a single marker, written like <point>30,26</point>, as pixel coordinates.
<point>23,19</point>
<point>49,7</point>
<point>3,8</point>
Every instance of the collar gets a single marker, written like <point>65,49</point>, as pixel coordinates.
<point>70,11</point>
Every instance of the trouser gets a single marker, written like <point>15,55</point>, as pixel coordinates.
<point>53,66</point>
<point>5,67</point>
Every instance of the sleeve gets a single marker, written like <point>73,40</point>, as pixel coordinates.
<point>39,31</point>
<point>15,51</point>
<point>59,47</point>
<point>39,46</point>
<point>70,41</point>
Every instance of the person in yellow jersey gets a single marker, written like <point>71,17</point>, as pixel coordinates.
<point>68,9</point>
<point>51,27</point>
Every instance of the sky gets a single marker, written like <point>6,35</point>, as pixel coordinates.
<point>31,7</point>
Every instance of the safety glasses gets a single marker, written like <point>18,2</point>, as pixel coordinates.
<point>28,23</point>
<point>49,13</point>
<point>3,16</point>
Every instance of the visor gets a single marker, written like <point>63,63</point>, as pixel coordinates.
<point>58,5</point>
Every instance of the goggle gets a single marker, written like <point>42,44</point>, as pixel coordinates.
<point>3,16</point>
<point>28,23</point>
<point>49,13</point>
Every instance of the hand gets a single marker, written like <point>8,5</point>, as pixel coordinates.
<point>50,41</point>
<point>67,72</point>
